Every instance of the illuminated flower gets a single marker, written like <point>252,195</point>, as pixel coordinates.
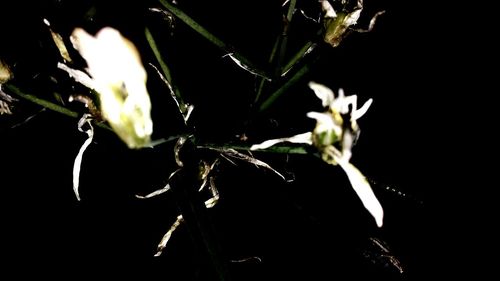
<point>334,135</point>
<point>119,78</point>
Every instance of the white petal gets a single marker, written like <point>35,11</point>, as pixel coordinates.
<point>328,9</point>
<point>342,103</point>
<point>79,76</point>
<point>357,113</point>
<point>323,93</point>
<point>300,138</point>
<point>324,119</point>
<point>352,18</point>
<point>111,58</point>
<point>364,191</point>
<point>347,141</point>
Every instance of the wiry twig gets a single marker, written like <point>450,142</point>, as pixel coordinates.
<point>371,25</point>
<point>164,240</point>
<point>184,109</point>
<point>232,153</point>
<point>159,191</point>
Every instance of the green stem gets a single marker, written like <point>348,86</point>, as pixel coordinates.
<point>284,36</point>
<point>271,60</point>
<point>298,56</point>
<point>41,102</point>
<point>272,149</point>
<point>279,48</point>
<point>156,51</point>
<point>46,104</point>
<point>294,79</point>
<point>291,8</point>
<point>210,37</point>
<point>164,68</point>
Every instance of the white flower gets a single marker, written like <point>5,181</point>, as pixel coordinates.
<point>334,137</point>
<point>118,76</point>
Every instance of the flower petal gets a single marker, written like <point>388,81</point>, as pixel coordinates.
<point>120,79</point>
<point>325,119</point>
<point>300,138</point>
<point>352,18</point>
<point>364,191</point>
<point>328,9</point>
<point>357,113</point>
<point>323,93</point>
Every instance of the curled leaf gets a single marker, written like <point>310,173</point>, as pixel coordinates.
<point>78,159</point>
<point>58,40</point>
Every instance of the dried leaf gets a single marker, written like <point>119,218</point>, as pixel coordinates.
<point>159,191</point>
<point>4,108</point>
<point>186,113</point>
<point>378,252</point>
<point>58,40</point>
<point>166,237</point>
<point>5,72</point>
<point>229,152</point>
<point>79,76</point>
<point>78,159</point>
<point>247,68</point>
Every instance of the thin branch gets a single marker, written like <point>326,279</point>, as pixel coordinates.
<point>278,50</point>
<point>291,9</point>
<point>294,79</point>
<point>306,49</point>
<point>284,36</point>
<point>165,69</point>
<point>271,60</point>
<point>274,149</point>
<point>41,102</point>
<point>156,51</point>
<point>47,104</point>
<point>210,37</point>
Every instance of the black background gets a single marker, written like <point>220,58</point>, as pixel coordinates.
<point>313,228</point>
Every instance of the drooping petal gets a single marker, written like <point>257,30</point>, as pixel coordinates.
<point>300,138</point>
<point>364,191</point>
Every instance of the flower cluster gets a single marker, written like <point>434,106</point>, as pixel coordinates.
<point>334,135</point>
